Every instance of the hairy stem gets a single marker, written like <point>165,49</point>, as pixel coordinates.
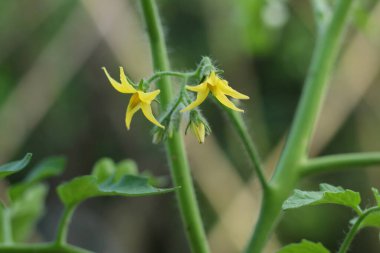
<point>175,147</point>
<point>161,74</point>
<point>337,162</point>
<point>63,226</point>
<point>355,228</point>
<point>242,131</point>
<point>294,155</point>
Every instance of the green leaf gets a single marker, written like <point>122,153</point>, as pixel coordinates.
<point>82,188</point>
<point>103,169</point>
<point>106,168</point>
<point>376,194</point>
<point>16,166</point>
<point>304,247</point>
<point>125,167</point>
<point>49,167</point>
<point>372,220</point>
<point>26,210</point>
<point>328,194</point>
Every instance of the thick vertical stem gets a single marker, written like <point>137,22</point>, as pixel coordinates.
<point>175,147</point>
<point>324,57</point>
<point>295,153</point>
<point>269,215</point>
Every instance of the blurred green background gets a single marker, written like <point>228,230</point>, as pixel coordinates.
<point>55,100</point>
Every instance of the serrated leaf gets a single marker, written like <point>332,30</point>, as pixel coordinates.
<point>16,166</point>
<point>85,187</point>
<point>304,247</point>
<point>328,194</point>
<point>26,210</point>
<point>376,194</point>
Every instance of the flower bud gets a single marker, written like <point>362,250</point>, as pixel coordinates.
<point>199,125</point>
<point>199,131</point>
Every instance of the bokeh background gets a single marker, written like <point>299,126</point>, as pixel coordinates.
<point>55,100</point>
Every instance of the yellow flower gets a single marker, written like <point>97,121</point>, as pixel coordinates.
<point>219,88</point>
<point>139,100</point>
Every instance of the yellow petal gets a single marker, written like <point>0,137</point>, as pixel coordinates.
<point>147,110</point>
<point>148,97</point>
<point>227,90</point>
<point>118,86</point>
<point>133,107</point>
<point>199,88</point>
<point>213,78</point>
<point>124,81</point>
<point>201,96</point>
<point>224,100</point>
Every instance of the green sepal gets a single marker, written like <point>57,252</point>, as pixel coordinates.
<point>304,246</point>
<point>328,194</point>
<point>16,166</point>
<point>171,119</point>
<point>85,187</point>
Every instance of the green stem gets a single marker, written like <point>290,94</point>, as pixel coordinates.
<point>269,212</point>
<point>241,128</point>
<point>355,228</point>
<point>337,162</point>
<point>161,74</point>
<point>63,226</point>
<point>322,12</point>
<point>294,155</point>
<point>42,248</point>
<point>175,147</point>
<point>6,227</point>
<point>316,84</point>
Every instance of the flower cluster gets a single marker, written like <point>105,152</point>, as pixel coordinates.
<point>210,83</point>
